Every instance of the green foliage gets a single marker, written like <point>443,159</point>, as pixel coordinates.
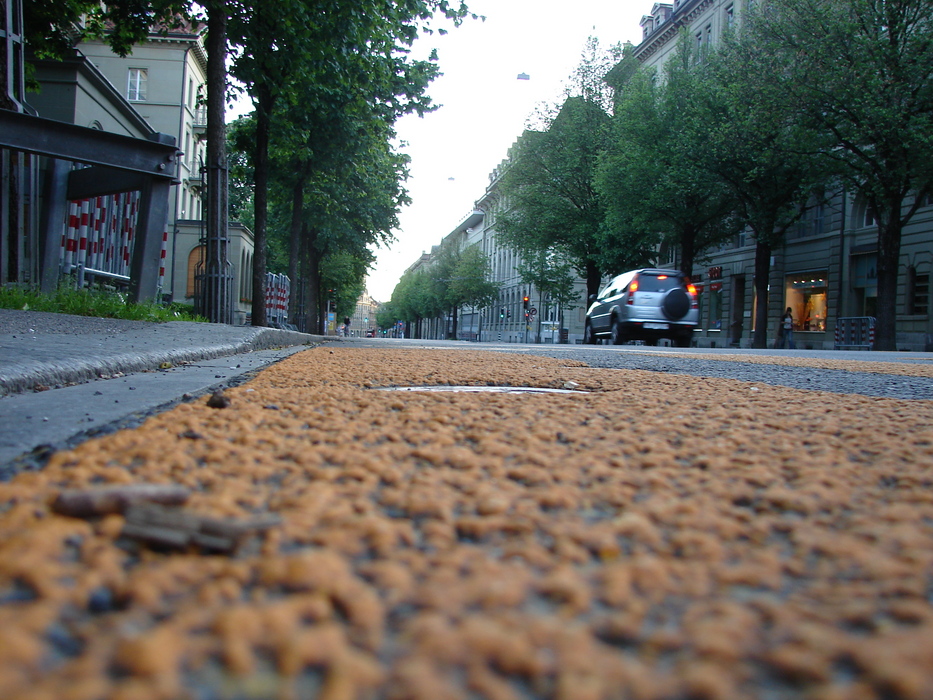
<point>92,302</point>
<point>550,275</point>
<point>414,297</point>
<point>656,175</point>
<point>455,278</point>
<point>345,273</point>
<point>53,27</point>
<point>386,316</point>
<point>240,136</point>
<point>549,184</point>
<point>328,81</point>
<point>761,151</point>
<point>469,284</point>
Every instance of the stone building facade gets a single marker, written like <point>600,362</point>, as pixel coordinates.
<point>164,79</point>
<point>824,270</point>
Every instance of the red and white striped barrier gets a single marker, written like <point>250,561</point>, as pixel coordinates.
<point>98,236</point>
<point>162,259</point>
<point>278,290</point>
<point>854,332</point>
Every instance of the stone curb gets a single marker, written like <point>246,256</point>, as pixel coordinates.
<point>18,377</point>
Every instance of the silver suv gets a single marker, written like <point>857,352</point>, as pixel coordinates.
<point>644,305</point>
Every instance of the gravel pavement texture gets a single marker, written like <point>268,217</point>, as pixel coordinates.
<point>649,535</point>
<point>897,378</point>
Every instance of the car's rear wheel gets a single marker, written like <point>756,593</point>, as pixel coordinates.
<point>616,333</point>
<point>589,338</point>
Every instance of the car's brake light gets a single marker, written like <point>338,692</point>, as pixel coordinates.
<point>693,296</point>
<point>632,288</point>
<point>662,277</point>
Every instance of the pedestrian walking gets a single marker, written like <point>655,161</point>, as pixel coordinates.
<point>787,326</point>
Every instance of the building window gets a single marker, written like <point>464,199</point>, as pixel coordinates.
<point>136,88</point>
<point>811,223</point>
<point>918,292</point>
<point>730,17</point>
<point>817,215</point>
<point>805,294</point>
<point>871,219</point>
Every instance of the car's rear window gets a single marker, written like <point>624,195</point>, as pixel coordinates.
<point>656,283</point>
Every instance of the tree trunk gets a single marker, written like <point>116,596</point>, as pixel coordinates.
<point>762,275</point>
<point>261,202</point>
<point>294,247</point>
<point>322,304</point>
<point>215,288</point>
<point>455,312</point>
<point>889,254</point>
<point>315,301</point>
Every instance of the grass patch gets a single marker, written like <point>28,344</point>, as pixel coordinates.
<point>101,303</point>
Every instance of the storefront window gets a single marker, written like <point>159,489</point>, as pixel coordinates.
<point>805,294</point>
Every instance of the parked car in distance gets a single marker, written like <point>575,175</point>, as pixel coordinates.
<point>647,304</point>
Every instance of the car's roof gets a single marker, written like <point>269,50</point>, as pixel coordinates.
<point>659,271</point>
<point>650,271</point>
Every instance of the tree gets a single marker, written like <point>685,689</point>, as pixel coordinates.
<point>549,185</point>
<point>53,27</point>
<point>553,277</point>
<point>215,295</point>
<point>550,275</point>
<point>288,45</point>
<point>860,71</point>
<point>345,273</point>
<point>654,177</point>
<point>554,205</point>
<point>470,284</point>
<point>413,299</point>
<point>765,156</point>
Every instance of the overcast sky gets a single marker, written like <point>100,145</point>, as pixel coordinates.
<point>484,107</point>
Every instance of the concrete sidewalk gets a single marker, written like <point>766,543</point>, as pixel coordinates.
<point>40,349</point>
<point>52,365</point>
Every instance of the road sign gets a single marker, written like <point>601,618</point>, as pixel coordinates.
<point>533,311</point>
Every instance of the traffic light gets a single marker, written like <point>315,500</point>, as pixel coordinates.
<point>525,301</point>
<point>502,312</point>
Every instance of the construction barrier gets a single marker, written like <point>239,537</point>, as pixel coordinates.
<point>98,237</point>
<point>855,332</point>
<point>278,290</point>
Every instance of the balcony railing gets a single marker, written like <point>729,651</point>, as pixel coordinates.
<point>199,123</point>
